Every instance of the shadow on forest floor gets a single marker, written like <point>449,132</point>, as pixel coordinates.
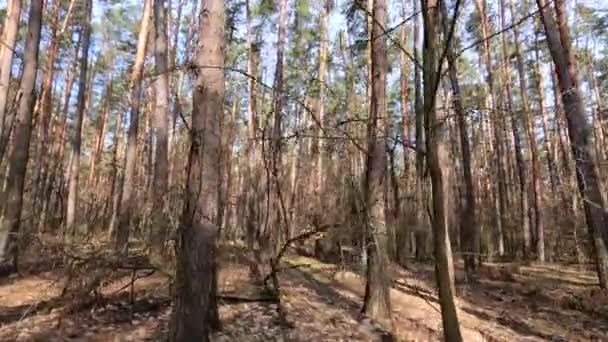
<point>506,303</point>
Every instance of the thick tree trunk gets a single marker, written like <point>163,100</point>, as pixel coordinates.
<point>76,141</point>
<point>195,309</point>
<point>161,116</point>
<point>126,206</point>
<point>589,184</point>
<point>11,215</point>
<point>7,50</point>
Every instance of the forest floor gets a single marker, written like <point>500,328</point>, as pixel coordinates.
<point>321,301</point>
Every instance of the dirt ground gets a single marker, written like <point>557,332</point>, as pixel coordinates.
<point>322,303</point>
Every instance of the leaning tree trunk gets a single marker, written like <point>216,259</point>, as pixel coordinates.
<point>11,215</point>
<point>436,156</point>
<point>195,310</point>
<point>589,184</point>
<point>377,304</point>
<point>125,207</point>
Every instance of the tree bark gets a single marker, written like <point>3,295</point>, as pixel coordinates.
<point>11,215</point>
<point>9,36</point>
<point>470,234</point>
<point>436,156</point>
<point>161,132</point>
<point>500,178</point>
<point>45,104</point>
<point>195,308</point>
<point>589,184</point>
<point>525,211</point>
<point>377,304</point>
<point>76,141</point>
<point>126,206</point>
<point>101,129</point>
<point>529,126</point>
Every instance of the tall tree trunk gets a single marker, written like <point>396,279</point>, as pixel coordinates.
<point>320,105</point>
<point>7,50</point>
<point>161,116</point>
<point>99,140</point>
<point>420,234</point>
<point>529,126</point>
<point>377,304</point>
<point>113,198</point>
<point>402,237</point>
<point>469,230</point>
<point>126,205</point>
<point>252,189</point>
<point>72,203</point>
<point>589,185</point>
<point>195,308</point>
<point>525,212</point>
<point>45,104</point>
<point>500,178</point>
<point>11,215</point>
<point>275,157</point>
<point>436,156</point>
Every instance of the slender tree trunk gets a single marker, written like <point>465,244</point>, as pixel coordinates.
<point>320,105</point>
<point>402,239</point>
<point>11,215</point>
<point>529,126</point>
<point>275,157</point>
<point>72,203</point>
<point>469,230</point>
<point>436,156</point>
<point>501,194</point>
<point>98,146</point>
<point>161,116</point>
<point>589,184</point>
<point>195,310</point>
<point>7,50</point>
<point>126,205</point>
<point>45,104</point>
<point>114,173</point>
<point>526,213</point>
<point>377,304</point>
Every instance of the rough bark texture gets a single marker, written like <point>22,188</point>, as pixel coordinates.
<point>161,130</point>
<point>11,215</point>
<point>195,309</point>
<point>579,131</point>
<point>436,156</point>
<point>126,205</point>
<point>377,304</point>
